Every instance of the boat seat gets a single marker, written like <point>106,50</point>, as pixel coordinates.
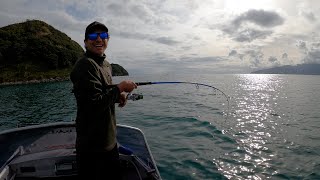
<point>61,162</point>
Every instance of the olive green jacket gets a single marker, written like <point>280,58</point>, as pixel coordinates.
<point>96,121</point>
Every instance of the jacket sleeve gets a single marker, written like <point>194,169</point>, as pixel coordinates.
<point>88,85</point>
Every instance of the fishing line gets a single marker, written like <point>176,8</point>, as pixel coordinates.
<point>182,82</point>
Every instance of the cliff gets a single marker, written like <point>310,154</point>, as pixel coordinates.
<point>36,51</point>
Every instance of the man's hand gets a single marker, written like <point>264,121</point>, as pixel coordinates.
<point>123,99</point>
<point>126,86</point>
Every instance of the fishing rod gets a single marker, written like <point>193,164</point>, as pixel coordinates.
<point>183,82</point>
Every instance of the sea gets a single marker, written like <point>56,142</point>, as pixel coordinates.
<point>266,127</point>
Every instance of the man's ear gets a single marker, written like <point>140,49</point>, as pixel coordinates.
<point>84,41</point>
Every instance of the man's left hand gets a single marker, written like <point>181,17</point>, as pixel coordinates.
<point>123,99</point>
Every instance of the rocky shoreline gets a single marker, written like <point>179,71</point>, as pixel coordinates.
<point>34,81</point>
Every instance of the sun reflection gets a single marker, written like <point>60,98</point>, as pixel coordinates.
<point>256,119</point>
<point>259,81</point>
<point>258,96</point>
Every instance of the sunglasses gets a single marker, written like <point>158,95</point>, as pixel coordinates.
<point>94,36</point>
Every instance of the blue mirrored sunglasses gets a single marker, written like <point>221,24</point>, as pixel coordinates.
<point>94,36</point>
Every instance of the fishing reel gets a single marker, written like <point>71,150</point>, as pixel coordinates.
<point>134,97</point>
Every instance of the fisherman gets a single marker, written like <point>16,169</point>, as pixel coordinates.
<point>96,144</point>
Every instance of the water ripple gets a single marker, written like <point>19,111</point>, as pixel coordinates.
<point>271,131</point>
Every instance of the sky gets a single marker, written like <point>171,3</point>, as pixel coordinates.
<point>192,36</point>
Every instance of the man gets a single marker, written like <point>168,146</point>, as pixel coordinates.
<point>96,145</point>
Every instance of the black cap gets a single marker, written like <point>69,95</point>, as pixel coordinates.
<point>94,26</point>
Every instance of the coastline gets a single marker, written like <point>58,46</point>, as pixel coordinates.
<point>35,81</point>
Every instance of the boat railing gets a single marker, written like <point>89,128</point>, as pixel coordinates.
<point>19,151</point>
<point>5,172</point>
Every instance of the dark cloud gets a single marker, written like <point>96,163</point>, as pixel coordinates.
<point>139,36</point>
<point>302,45</point>
<point>166,40</point>
<point>284,56</point>
<point>259,17</point>
<point>233,53</point>
<point>241,32</point>
<point>272,59</point>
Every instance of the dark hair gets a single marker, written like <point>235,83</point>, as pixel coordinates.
<point>93,27</point>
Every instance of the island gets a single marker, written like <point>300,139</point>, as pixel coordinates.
<point>34,51</point>
<point>303,69</point>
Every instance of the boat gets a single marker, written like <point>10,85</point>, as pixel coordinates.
<point>47,151</point>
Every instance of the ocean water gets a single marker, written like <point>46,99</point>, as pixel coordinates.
<point>269,129</point>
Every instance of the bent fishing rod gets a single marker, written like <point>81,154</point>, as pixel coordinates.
<point>182,82</point>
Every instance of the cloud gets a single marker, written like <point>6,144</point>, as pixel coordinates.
<point>139,36</point>
<point>312,53</point>
<point>309,16</point>
<point>262,18</point>
<point>249,35</point>
<point>312,56</point>
<point>284,59</point>
<point>233,53</point>
<point>315,44</point>
<point>138,11</point>
<point>302,45</point>
<point>284,56</point>
<point>166,40</point>
<point>160,62</point>
<point>272,59</point>
<point>262,21</point>
<point>195,35</point>
<point>255,56</point>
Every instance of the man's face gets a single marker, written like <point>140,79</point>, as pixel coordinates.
<point>97,46</point>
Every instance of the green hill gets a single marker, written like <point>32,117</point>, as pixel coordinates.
<point>34,50</point>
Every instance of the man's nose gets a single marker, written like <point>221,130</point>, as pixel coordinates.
<point>99,38</point>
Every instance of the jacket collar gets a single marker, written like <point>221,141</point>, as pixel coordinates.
<point>98,59</point>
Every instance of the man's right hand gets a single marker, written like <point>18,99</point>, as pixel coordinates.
<point>126,86</point>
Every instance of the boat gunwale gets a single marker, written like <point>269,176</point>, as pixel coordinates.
<point>72,124</point>
<point>56,124</point>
